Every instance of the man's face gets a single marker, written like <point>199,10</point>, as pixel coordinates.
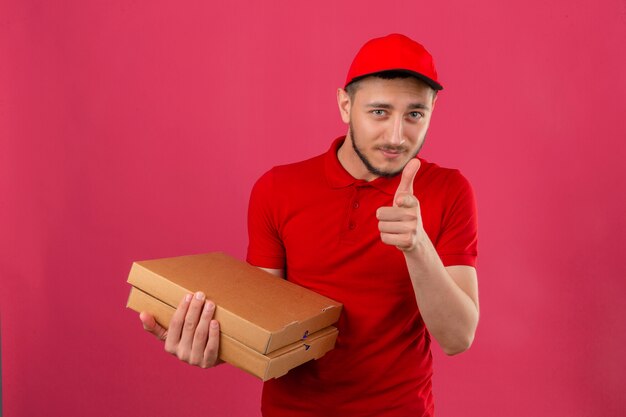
<point>388,120</point>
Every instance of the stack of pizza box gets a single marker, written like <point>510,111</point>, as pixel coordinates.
<point>268,325</point>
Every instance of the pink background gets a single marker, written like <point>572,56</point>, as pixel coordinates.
<point>135,129</point>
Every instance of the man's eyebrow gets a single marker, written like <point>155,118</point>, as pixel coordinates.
<point>381,105</point>
<point>418,106</point>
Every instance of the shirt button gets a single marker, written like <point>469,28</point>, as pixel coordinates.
<point>352,226</point>
<point>355,205</point>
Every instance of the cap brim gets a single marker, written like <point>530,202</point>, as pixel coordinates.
<point>432,83</point>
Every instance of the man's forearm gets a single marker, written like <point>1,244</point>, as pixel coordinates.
<point>449,312</point>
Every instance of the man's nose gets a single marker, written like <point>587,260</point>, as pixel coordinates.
<point>396,135</point>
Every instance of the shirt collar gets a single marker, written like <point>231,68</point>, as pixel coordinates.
<point>338,177</point>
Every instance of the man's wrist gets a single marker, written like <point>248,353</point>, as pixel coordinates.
<point>422,254</point>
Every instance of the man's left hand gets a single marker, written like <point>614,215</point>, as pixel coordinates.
<point>401,225</point>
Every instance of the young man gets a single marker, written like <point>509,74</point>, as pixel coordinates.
<point>390,235</point>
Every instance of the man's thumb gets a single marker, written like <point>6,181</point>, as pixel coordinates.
<point>408,176</point>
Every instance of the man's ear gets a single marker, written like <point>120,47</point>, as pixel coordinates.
<point>432,107</point>
<point>345,104</point>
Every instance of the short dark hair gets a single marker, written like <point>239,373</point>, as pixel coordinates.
<point>385,75</point>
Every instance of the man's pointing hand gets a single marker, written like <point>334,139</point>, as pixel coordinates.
<point>401,225</point>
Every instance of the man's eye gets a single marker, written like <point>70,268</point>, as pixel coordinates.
<point>378,112</point>
<point>415,114</point>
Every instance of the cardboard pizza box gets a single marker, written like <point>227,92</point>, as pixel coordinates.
<point>254,307</point>
<point>272,365</point>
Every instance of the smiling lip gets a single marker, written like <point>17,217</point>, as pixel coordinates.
<point>391,154</point>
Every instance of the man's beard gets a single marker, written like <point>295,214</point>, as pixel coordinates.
<point>370,167</point>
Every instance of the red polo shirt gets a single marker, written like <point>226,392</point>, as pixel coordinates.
<point>317,222</point>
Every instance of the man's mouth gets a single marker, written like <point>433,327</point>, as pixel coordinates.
<point>391,152</point>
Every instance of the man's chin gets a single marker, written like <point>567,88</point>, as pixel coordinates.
<point>387,171</point>
<point>389,174</point>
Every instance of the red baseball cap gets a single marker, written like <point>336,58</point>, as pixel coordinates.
<point>394,52</point>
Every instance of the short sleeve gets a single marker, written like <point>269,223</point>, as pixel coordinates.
<point>458,240</point>
<point>265,248</point>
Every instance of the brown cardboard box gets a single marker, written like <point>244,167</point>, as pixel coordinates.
<point>273,365</point>
<point>254,307</point>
